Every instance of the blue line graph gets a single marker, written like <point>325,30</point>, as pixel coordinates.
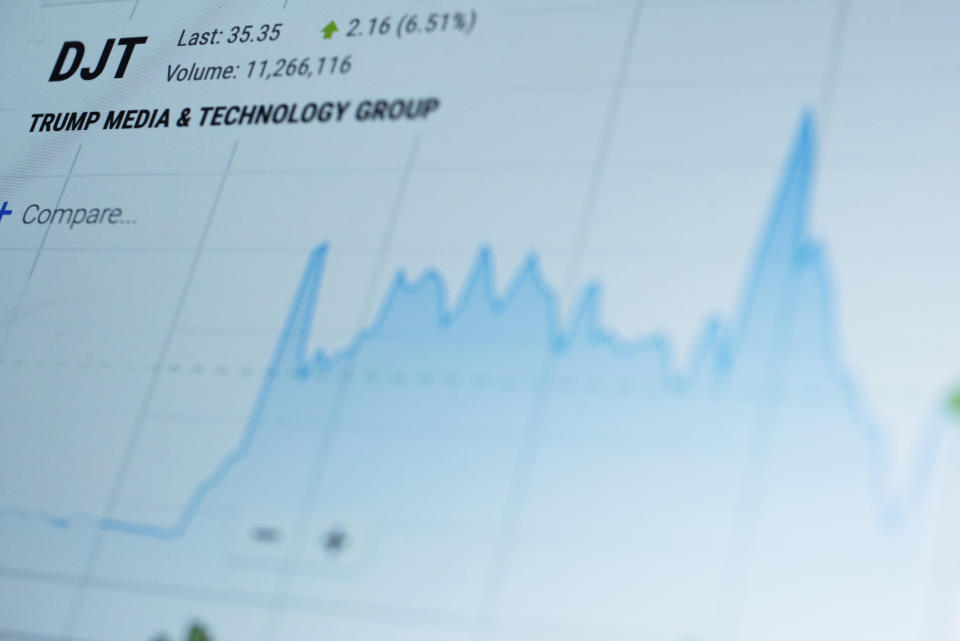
<point>785,255</point>
<point>765,417</point>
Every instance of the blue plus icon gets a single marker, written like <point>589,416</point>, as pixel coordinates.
<point>4,211</point>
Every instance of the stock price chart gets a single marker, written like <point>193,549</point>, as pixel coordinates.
<point>536,320</point>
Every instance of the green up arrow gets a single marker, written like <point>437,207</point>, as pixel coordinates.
<point>329,30</point>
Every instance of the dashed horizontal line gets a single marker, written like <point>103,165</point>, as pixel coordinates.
<point>449,379</point>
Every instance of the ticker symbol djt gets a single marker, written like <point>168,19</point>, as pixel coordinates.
<point>4,211</point>
<point>61,71</point>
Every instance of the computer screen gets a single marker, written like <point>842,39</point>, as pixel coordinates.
<point>490,320</point>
